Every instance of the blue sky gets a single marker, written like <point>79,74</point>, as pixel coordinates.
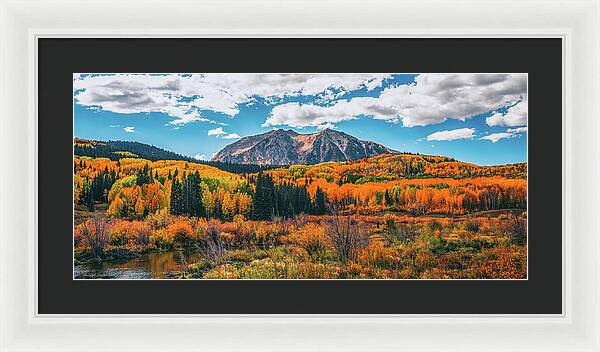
<point>472,117</point>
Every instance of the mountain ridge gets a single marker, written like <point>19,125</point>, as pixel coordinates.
<point>287,147</point>
<point>118,149</point>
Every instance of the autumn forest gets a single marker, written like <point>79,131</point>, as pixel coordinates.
<point>390,216</point>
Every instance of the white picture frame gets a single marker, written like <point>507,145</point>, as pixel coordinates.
<point>576,22</point>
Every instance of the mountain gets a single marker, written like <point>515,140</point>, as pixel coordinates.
<point>116,150</point>
<point>286,147</point>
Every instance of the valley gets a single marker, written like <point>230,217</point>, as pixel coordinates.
<point>385,216</point>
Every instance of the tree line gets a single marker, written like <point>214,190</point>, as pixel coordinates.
<point>284,200</point>
<point>115,150</point>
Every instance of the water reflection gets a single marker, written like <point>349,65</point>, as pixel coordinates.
<point>147,266</point>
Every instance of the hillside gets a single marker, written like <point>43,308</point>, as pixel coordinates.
<point>390,167</point>
<point>286,147</point>
<point>116,150</point>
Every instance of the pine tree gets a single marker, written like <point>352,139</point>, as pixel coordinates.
<point>263,202</point>
<point>175,196</point>
<point>320,206</point>
<point>388,199</point>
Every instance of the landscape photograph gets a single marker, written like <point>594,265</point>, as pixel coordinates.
<point>329,176</point>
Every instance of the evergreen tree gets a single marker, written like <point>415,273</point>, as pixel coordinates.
<point>320,206</point>
<point>143,176</point>
<point>263,202</point>
<point>176,196</point>
<point>388,199</point>
<point>87,195</point>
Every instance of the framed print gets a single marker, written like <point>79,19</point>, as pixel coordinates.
<point>192,182</point>
<point>290,199</point>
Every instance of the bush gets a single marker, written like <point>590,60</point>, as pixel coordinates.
<point>435,242</point>
<point>181,231</point>
<point>346,238</point>
<point>226,271</point>
<point>124,232</point>
<point>215,245</point>
<point>160,219</point>
<point>161,239</point>
<point>376,255</point>
<point>500,263</point>
<point>397,232</point>
<point>312,238</point>
<point>96,235</point>
<point>472,226</point>
<point>435,226</point>
<point>516,228</point>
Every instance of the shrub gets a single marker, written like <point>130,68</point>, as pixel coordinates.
<point>226,271</point>
<point>239,219</point>
<point>95,232</point>
<point>376,255</point>
<point>124,232</point>
<point>516,228</point>
<point>160,219</point>
<point>397,232</point>
<point>472,225</point>
<point>78,237</point>
<point>435,225</point>
<point>161,239</point>
<point>239,256</point>
<point>266,234</point>
<point>346,238</point>
<point>261,269</point>
<point>214,245</point>
<point>181,231</point>
<point>435,242</point>
<point>312,238</point>
<point>500,263</point>
<point>228,237</point>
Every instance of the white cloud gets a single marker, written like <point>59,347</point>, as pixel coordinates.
<point>431,99</point>
<point>184,96</point>
<point>216,132</point>
<point>495,137</point>
<point>220,133</point>
<point>450,135</point>
<point>325,126</point>
<point>129,129</point>
<point>517,130</point>
<point>510,133</point>
<point>187,118</point>
<point>114,126</point>
<point>515,115</point>
<point>200,157</point>
<point>231,136</point>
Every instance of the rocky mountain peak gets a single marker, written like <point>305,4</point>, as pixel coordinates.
<point>287,147</point>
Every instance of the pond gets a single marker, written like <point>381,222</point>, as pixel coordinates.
<point>147,266</point>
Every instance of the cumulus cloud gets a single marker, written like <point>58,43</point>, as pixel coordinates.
<point>510,133</point>
<point>216,132</point>
<point>450,135</point>
<point>200,157</point>
<point>325,126</point>
<point>129,129</point>
<point>517,130</point>
<point>515,115</point>
<point>184,96</point>
<point>495,137</point>
<point>231,136</point>
<point>431,99</point>
<point>220,133</point>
